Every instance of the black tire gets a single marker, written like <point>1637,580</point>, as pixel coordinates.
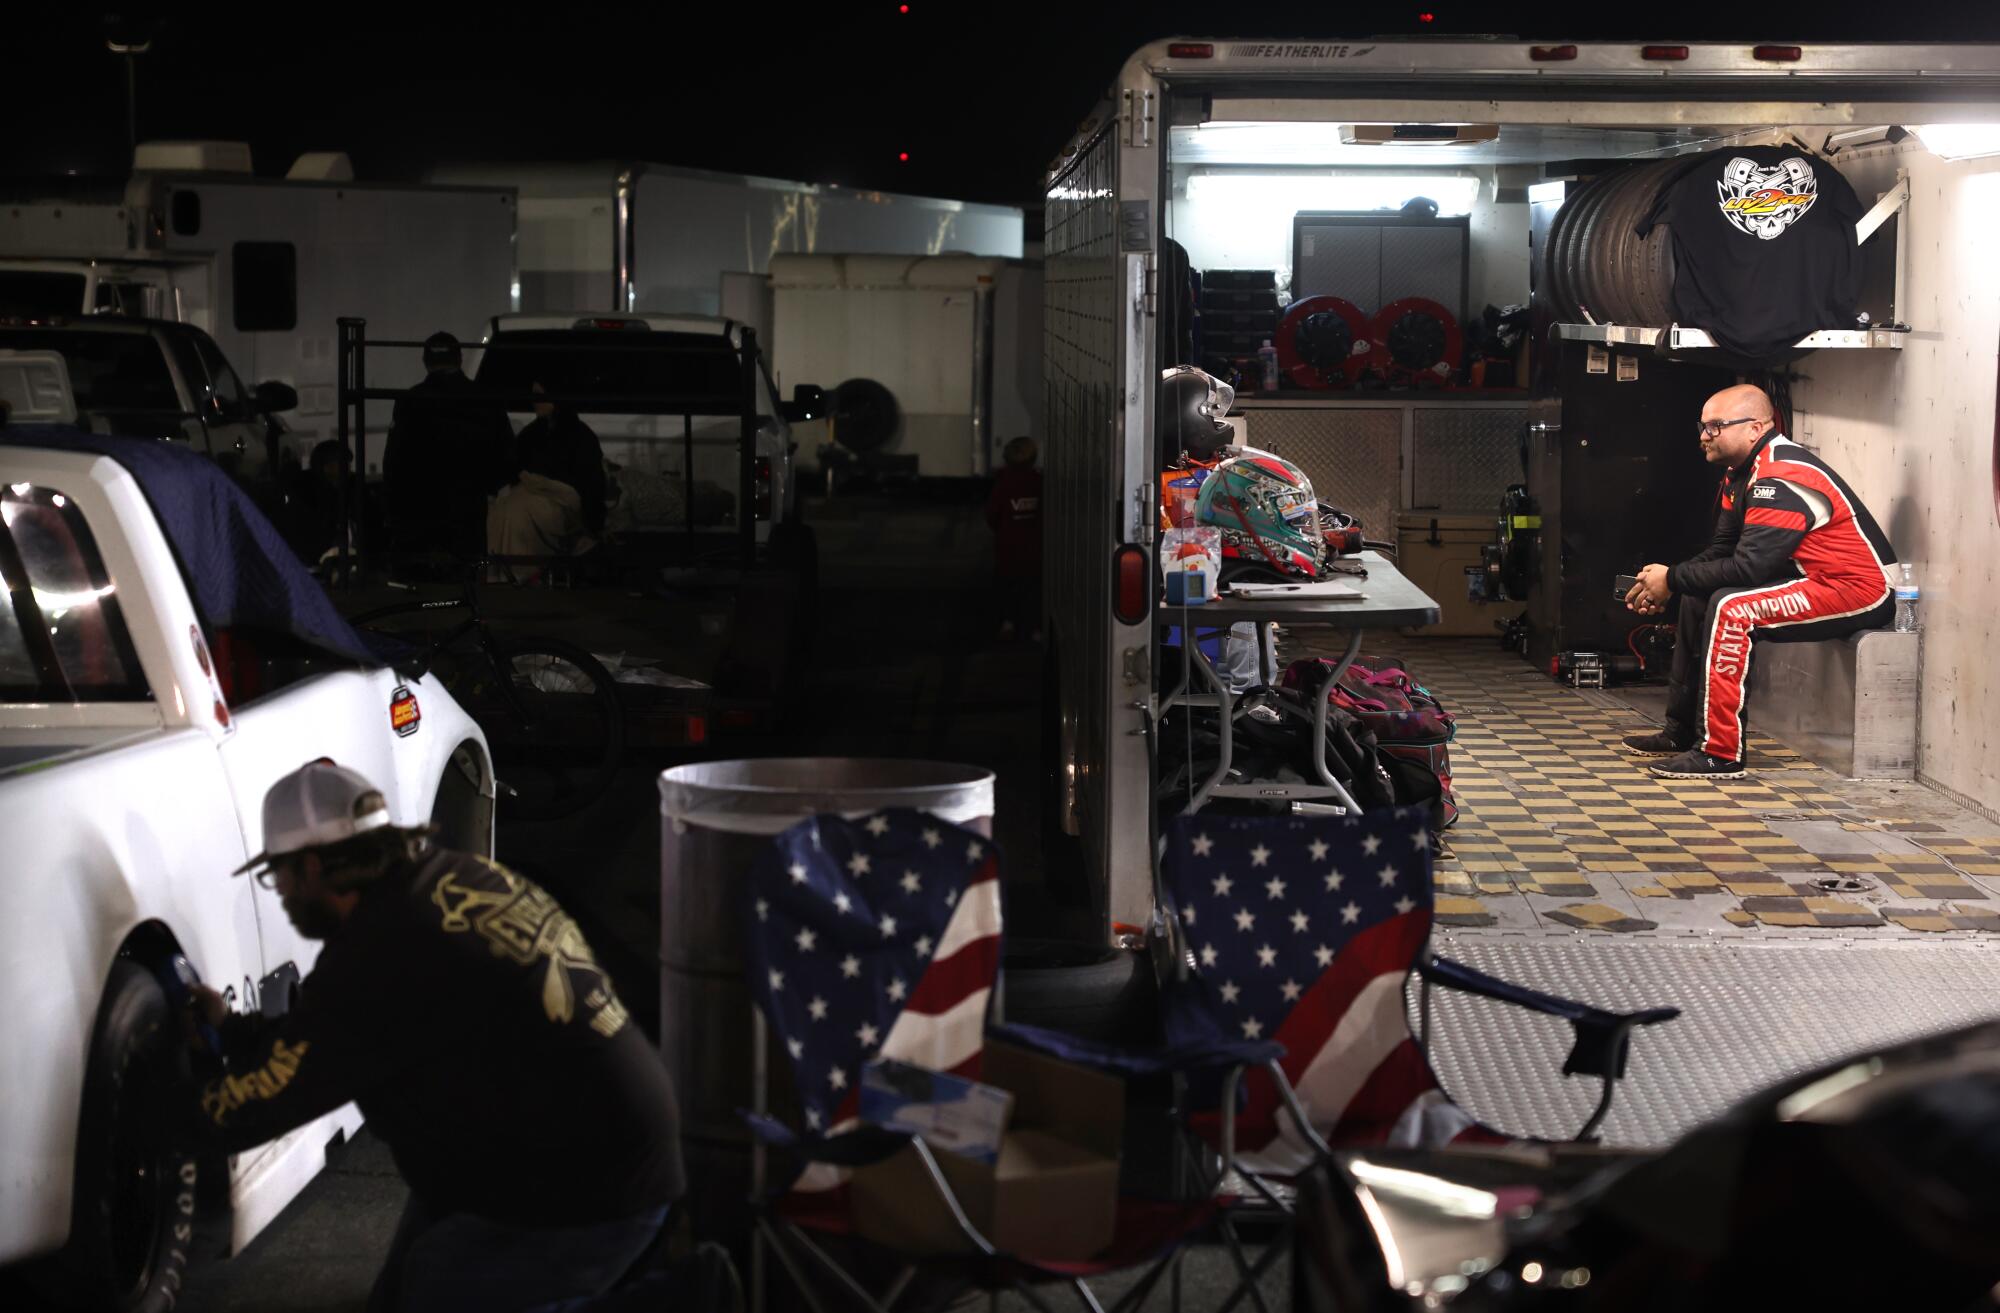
<point>866,415</point>
<point>133,1215</point>
<point>556,734</point>
<point>1080,989</point>
<point>795,549</point>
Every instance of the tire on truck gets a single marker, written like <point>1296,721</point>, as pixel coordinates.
<point>132,1222</point>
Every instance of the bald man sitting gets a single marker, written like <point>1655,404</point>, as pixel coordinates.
<point>1796,557</point>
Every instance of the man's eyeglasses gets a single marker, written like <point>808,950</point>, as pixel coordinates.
<point>267,875</point>
<point>1710,427</point>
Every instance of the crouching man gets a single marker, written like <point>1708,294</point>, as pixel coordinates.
<point>460,1007</point>
<point>1796,557</point>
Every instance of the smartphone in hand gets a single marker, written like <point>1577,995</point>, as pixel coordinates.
<point>1623,585</point>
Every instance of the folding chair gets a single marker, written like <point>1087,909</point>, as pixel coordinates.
<point>1306,931</point>
<point>880,938</point>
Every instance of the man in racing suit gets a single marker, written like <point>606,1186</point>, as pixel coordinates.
<point>1796,557</point>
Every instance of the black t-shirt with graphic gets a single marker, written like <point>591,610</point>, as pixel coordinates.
<point>1764,249</point>
<point>460,1007</point>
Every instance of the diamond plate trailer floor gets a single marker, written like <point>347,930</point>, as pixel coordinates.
<point>1793,915</point>
<point>1752,1012</point>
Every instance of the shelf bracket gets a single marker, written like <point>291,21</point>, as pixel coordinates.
<point>1887,204</point>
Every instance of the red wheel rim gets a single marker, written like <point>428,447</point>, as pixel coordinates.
<point>1454,341</point>
<point>1300,371</point>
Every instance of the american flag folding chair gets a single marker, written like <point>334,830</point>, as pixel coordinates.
<point>880,938</point>
<point>1306,931</point>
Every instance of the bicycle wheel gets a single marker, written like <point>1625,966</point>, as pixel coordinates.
<point>552,720</point>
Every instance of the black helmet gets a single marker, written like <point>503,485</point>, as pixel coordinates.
<point>1192,404</point>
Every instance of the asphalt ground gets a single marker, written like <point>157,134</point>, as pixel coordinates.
<point>906,663</point>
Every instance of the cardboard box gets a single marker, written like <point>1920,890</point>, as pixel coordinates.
<point>1051,1193</point>
<point>1434,551</point>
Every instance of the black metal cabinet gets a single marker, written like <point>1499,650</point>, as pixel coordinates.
<point>1619,472</point>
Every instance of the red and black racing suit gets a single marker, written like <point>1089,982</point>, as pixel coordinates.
<point>1796,557</point>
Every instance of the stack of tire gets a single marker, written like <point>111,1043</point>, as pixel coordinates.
<point>1596,267</point>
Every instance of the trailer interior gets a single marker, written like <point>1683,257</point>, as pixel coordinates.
<point>1393,270</point>
<point>1275,197</point>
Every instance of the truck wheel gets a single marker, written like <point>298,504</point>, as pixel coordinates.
<point>1080,989</point>
<point>795,549</point>
<point>132,1220</point>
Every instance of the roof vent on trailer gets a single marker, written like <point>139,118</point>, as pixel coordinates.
<point>192,157</point>
<point>322,166</point>
<point>1417,134</point>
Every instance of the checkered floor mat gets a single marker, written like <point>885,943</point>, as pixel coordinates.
<point>1560,827</point>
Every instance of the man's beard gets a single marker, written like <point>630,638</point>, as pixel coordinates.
<point>314,920</point>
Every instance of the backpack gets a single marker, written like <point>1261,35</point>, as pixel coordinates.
<point>1189,749</point>
<point>1412,729</point>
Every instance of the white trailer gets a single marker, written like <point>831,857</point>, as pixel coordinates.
<point>1218,146</point>
<point>953,338</point>
<point>653,238</point>
<point>267,265</point>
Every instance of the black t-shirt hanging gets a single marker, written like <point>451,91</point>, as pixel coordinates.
<point>1764,248</point>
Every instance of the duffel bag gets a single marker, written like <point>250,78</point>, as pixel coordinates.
<point>1351,751</point>
<point>1411,726</point>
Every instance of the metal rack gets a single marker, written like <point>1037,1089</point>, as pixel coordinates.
<point>1673,337</point>
<point>1389,602</point>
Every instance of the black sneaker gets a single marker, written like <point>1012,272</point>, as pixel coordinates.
<point>1657,744</point>
<point>1694,764</point>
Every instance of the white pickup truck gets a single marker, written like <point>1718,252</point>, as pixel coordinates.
<point>162,661</point>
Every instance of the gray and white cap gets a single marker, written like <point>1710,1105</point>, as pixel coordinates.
<point>317,804</point>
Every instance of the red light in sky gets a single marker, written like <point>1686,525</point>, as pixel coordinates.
<point>904,157</point>
<point>902,9</point>
<point>1424,17</point>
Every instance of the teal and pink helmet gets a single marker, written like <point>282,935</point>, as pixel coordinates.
<point>1268,515</point>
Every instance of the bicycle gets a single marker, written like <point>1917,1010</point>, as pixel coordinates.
<point>550,710</point>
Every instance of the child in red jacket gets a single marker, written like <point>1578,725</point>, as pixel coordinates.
<point>1014,510</point>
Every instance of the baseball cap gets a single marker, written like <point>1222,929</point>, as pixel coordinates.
<point>441,349</point>
<point>318,804</point>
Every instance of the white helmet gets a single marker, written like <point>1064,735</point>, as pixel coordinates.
<point>316,805</point>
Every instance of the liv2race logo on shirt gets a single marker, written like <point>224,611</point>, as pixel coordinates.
<point>1764,202</point>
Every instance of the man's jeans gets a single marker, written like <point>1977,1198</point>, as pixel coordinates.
<point>459,1263</point>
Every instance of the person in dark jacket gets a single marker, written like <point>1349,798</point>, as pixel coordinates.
<point>314,510</point>
<point>1796,557</point>
<point>464,1012</point>
<point>445,455</point>
<point>1014,512</point>
<point>558,445</point>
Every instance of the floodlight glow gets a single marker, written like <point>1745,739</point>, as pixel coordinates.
<point>1960,141</point>
<point>1288,193</point>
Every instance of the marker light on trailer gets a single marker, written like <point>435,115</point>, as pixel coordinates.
<point>1131,584</point>
<point>1664,52</point>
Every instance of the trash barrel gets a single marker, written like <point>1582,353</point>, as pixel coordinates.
<point>715,818</point>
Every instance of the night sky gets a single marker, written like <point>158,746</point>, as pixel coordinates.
<point>980,97</point>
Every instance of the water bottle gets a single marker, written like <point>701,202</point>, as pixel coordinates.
<point>1907,596</point>
<point>1267,360</point>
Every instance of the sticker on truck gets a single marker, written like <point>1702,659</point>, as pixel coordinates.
<point>404,714</point>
